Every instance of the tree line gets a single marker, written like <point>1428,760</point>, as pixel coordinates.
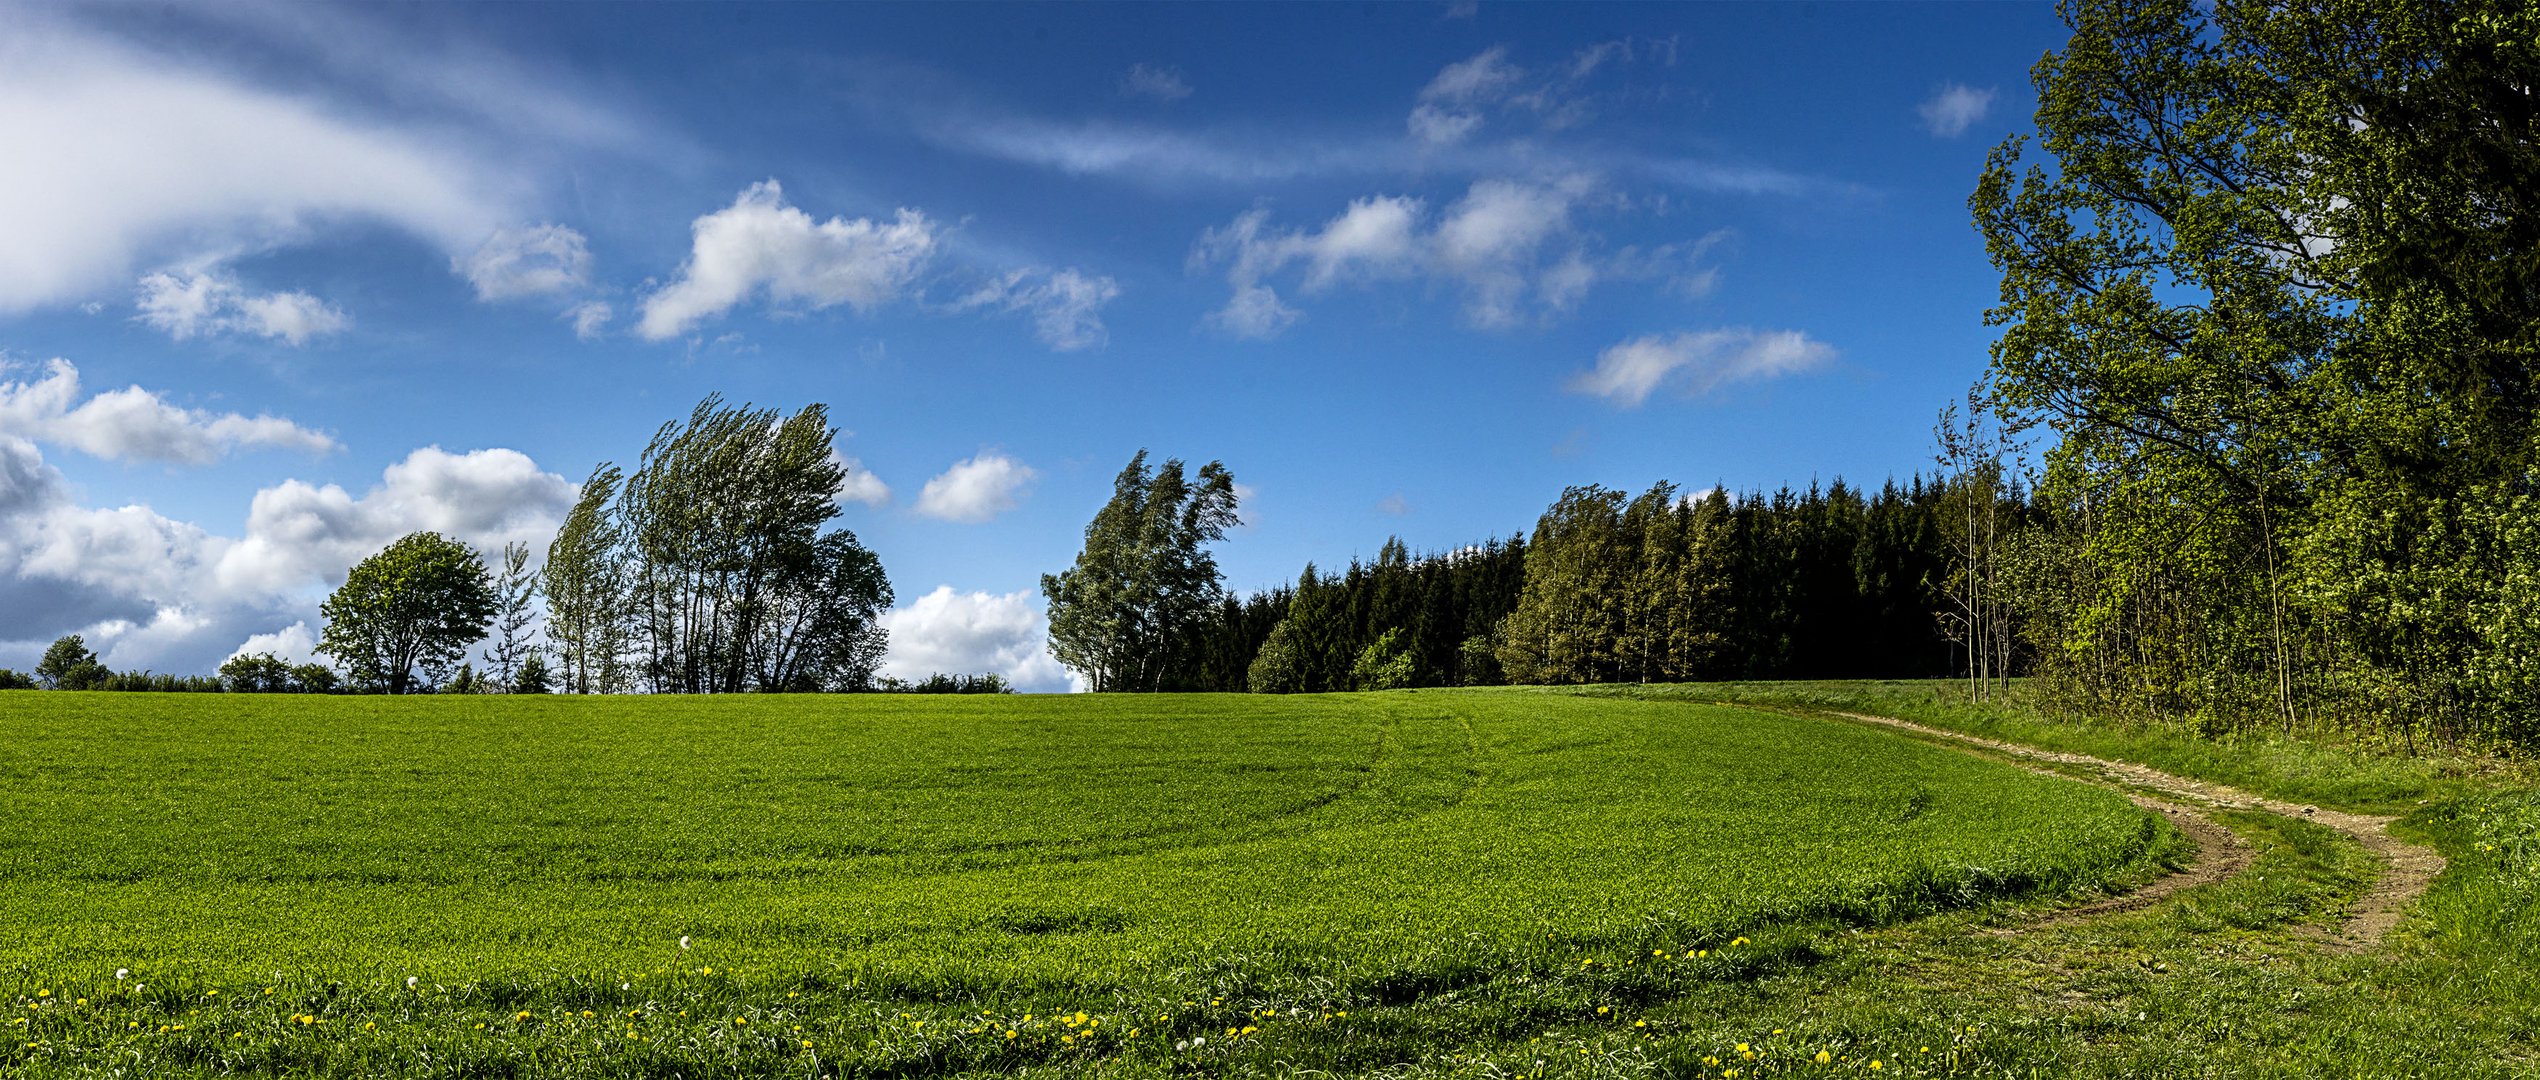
<point>1609,587</point>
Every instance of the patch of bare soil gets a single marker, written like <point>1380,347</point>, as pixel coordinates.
<point>2408,868</point>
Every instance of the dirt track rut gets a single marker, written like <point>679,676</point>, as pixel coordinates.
<point>2408,868</point>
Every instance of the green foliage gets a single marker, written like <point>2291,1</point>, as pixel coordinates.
<point>515,594</point>
<point>2279,295</point>
<point>411,609</point>
<point>941,683</point>
<point>65,661</point>
<point>586,584</point>
<point>731,585</point>
<point>256,673</point>
<point>16,680</point>
<point>1145,579</point>
<point>1398,877</point>
<point>1386,664</point>
<point>533,677</point>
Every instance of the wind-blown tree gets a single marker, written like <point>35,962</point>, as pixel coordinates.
<point>585,580</point>
<point>404,616</point>
<point>516,594</point>
<point>1145,578</point>
<point>821,630</point>
<point>722,524</point>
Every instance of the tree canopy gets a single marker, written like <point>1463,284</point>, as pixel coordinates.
<point>406,615</point>
<point>1145,576</point>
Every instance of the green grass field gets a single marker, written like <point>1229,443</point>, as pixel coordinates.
<point>1495,883</point>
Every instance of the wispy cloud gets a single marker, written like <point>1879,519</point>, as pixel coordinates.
<point>1153,81</point>
<point>1952,109</point>
<point>133,424</point>
<point>1698,362</point>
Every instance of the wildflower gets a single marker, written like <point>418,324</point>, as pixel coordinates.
<point>122,973</point>
<point>1875,1065</point>
<point>683,941</point>
<point>410,984</point>
<point>1009,1033</point>
<point>371,1026</point>
<point>521,1015</point>
<point>744,1021</point>
<point>1824,1057</point>
<point>82,1001</point>
<point>1640,1023</point>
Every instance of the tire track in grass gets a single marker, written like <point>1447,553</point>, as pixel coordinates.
<point>2408,868</point>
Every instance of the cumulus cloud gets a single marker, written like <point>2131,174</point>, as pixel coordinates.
<point>1509,245</point>
<point>1153,81</point>
<point>975,490</point>
<point>298,532</point>
<point>141,153</point>
<point>293,644</point>
<point>1953,109</point>
<point>971,633</point>
<point>1065,306</point>
<point>761,244</point>
<point>861,485</point>
<point>150,591</point>
<point>539,260</point>
<point>133,424</point>
<point>202,304</point>
<point>1698,362</point>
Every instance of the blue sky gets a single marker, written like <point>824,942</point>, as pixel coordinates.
<point>289,280</point>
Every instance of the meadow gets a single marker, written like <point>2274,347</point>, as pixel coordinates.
<point>1493,883</point>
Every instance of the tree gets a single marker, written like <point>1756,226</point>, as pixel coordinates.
<point>65,659</point>
<point>1385,664</point>
<point>409,611</point>
<point>821,629</point>
<point>1145,578</point>
<point>585,580</point>
<point>2280,298</point>
<point>720,511</point>
<point>515,593</point>
<point>533,677</point>
<point>256,673</point>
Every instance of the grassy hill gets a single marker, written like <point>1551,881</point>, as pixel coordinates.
<point>658,886</point>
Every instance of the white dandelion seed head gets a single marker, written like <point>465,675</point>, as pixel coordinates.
<point>410,982</point>
<point>683,941</point>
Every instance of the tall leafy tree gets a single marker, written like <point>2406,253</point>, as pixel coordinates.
<point>404,616</point>
<point>586,583</point>
<point>721,510</point>
<point>1145,578</point>
<point>65,663</point>
<point>822,626</point>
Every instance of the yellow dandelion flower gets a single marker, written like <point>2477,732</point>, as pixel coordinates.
<point>1823,1057</point>
<point>1009,1033</point>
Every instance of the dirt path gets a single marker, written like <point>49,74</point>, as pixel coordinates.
<point>2409,868</point>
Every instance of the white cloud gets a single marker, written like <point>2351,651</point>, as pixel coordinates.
<point>759,243</point>
<point>1955,108</point>
<point>861,485</point>
<point>1698,362</point>
<point>1152,81</point>
<point>1394,505</point>
<point>1065,306</point>
<point>126,157</point>
<point>153,592</point>
<point>1449,107</point>
<point>971,633</point>
<point>975,490</point>
<point>133,424</point>
<point>201,304</point>
<point>1510,245</point>
<point>590,318</point>
<point>293,644</point>
<point>299,533</point>
<point>534,261</point>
